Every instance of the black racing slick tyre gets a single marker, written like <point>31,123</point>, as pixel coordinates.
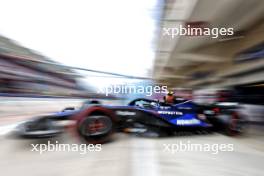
<point>232,124</point>
<point>95,129</point>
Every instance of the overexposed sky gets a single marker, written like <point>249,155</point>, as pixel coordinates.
<point>108,35</point>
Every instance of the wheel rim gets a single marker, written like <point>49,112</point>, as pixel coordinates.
<point>96,126</point>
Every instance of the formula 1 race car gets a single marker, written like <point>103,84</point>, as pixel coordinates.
<point>95,122</point>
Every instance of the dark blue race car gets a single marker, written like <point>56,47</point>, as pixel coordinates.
<point>95,122</point>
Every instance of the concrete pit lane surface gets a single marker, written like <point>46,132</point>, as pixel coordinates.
<point>132,155</point>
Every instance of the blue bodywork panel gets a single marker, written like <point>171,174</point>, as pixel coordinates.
<point>181,114</point>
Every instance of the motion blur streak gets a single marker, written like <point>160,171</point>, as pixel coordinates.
<point>65,63</point>
<point>75,32</point>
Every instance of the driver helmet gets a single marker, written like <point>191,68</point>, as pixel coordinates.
<point>169,98</point>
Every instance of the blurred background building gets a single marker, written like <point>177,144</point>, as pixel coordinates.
<point>195,67</point>
<point>24,72</point>
<point>201,61</point>
<point>96,44</point>
<point>208,66</point>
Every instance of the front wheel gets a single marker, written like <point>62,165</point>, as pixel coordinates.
<point>95,128</point>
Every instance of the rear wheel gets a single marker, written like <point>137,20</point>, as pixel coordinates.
<point>232,123</point>
<point>95,128</point>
